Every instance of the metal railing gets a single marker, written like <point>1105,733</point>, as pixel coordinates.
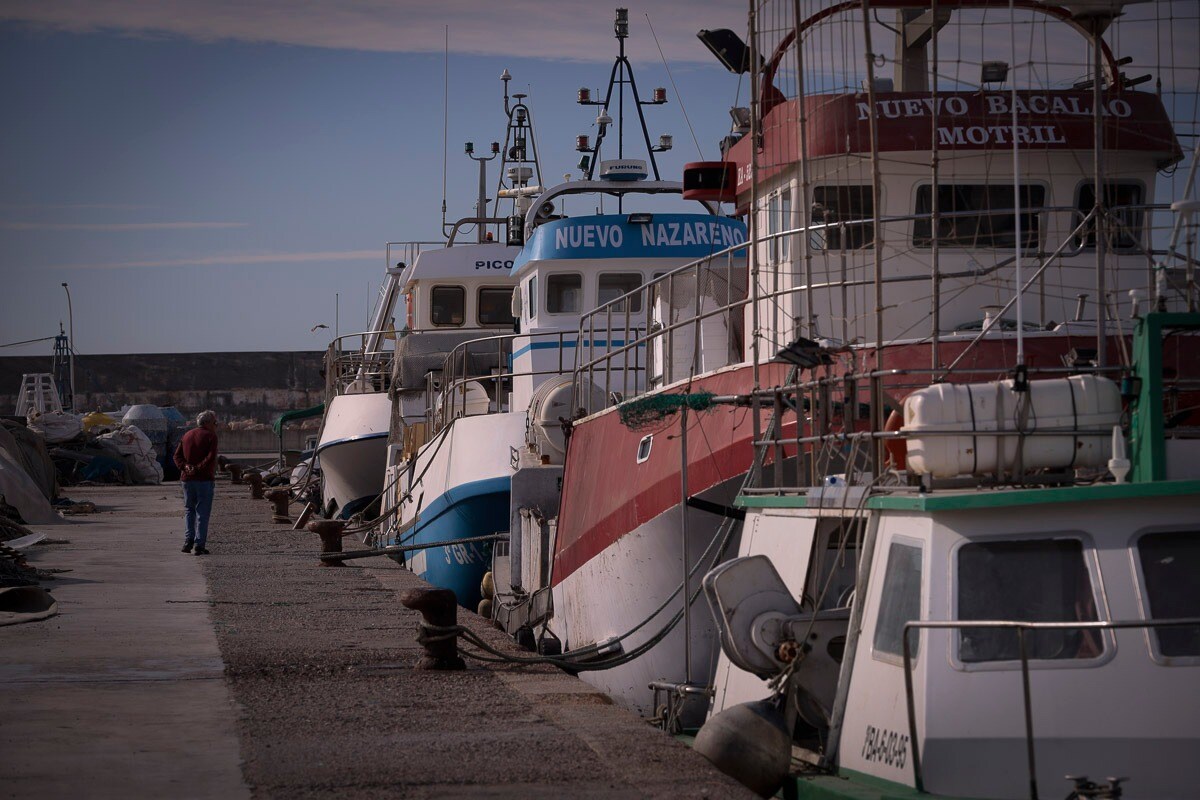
<point>447,390</point>
<point>659,340</point>
<point>1021,628</point>
<point>357,368</point>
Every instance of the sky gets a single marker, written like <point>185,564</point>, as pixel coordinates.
<point>208,175</point>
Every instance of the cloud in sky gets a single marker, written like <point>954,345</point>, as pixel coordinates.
<point>549,29</point>
<point>235,259</point>
<point>117,227</point>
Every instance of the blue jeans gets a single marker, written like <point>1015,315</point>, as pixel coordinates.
<point>197,504</point>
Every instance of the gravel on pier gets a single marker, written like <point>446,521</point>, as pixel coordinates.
<point>320,662</point>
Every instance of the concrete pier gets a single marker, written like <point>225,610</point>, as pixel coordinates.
<point>253,672</point>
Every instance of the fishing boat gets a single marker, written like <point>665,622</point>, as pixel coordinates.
<point>967,557</point>
<point>894,219</point>
<point>498,443</point>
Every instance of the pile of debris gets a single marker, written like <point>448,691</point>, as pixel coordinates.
<point>96,448</point>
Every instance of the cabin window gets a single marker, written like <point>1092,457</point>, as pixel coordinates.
<point>615,284</point>
<point>495,307</point>
<point>1170,564</point>
<point>779,219</point>
<point>1125,225</point>
<point>842,210</point>
<point>900,600</point>
<point>1038,580</point>
<point>533,297</point>
<point>564,293</point>
<point>448,305</point>
<point>974,215</point>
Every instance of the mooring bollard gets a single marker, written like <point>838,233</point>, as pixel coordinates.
<point>330,531</point>
<point>281,498</point>
<point>439,607</point>
<point>222,464</point>
<point>235,473</point>
<point>255,479</point>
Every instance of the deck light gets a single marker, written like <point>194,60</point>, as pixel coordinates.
<point>729,49</point>
<point>993,72</point>
<point>621,26</point>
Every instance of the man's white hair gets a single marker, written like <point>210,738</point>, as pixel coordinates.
<point>204,417</point>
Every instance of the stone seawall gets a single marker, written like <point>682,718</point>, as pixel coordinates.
<point>236,385</point>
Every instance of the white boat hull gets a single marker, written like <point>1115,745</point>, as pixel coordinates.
<point>353,448</point>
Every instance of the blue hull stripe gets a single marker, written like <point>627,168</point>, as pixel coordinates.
<point>567,344</point>
<point>478,508</point>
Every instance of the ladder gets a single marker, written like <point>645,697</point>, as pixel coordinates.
<point>38,393</point>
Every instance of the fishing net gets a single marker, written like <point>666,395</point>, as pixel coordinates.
<point>646,412</point>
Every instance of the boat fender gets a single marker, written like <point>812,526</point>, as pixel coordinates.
<point>750,743</point>
<point>487,587</point>
<point>897,449</point>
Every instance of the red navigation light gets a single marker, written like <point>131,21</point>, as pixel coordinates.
<point>584,96</point>
<point>581,143</point>
<point>660,94</point>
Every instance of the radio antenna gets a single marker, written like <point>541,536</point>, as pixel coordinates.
<point>445,119</point>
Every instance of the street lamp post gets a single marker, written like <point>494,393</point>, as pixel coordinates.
<point>71,349</point>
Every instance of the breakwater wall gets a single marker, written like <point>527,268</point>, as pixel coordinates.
<point>238,386</point>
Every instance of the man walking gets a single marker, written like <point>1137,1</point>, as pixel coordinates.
<point>196,458</point>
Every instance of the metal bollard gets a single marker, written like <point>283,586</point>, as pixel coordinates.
<point>222,464</point>
<point>439,607</point>
<point>235,473</point>
<point>281,498</point>
<point>255,479</point>
<point>330,531</point>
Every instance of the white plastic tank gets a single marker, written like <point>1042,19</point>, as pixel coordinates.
<point>1078,403</point>
<point>468,399</point>
<point>150,421</point>
<point>552,403</point>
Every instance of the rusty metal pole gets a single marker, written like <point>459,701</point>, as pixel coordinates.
<point>281,498</point>
<point>439,607</point>
<point>330,531</point>
<point>255,479</point>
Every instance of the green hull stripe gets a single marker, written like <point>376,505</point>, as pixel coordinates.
<point>1000,498</point>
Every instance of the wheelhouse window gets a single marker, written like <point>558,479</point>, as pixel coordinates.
<point>1036,580</point>
<point>1125,224</point>
<point>448,305</point>
<point>1170,564</point>
<point>615,284</point>
<point>900,600</point>
<point>779,219</point>
<point>533,297</point>
<point>495,307</point>
<point>564,293</point>
<point>978,215</point>
<point>843,209</point>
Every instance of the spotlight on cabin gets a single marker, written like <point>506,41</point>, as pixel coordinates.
<point>729,49</point>
<point>993,72</point>
<point>804,353</point>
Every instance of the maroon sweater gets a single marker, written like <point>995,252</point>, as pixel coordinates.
<point>199,449</point>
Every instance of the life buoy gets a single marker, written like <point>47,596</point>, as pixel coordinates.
<point>897,448</point>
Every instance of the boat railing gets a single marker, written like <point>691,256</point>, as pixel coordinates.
<point>1022,628</point>
<point>353,366</point>
<point>657,354</point>
<point>471,362</point>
